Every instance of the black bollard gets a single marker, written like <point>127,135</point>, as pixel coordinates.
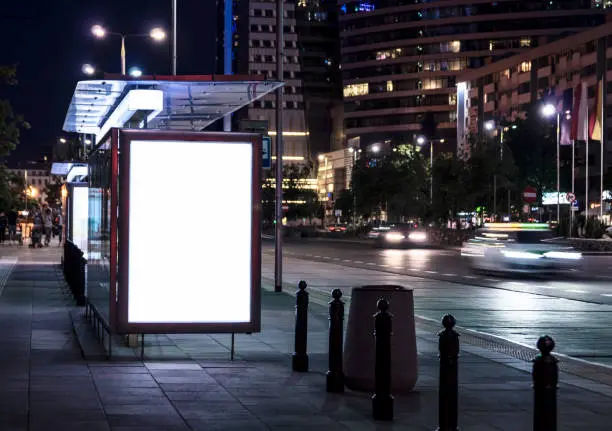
<point>448,395</point>
<point>382,400</point>
<point>545,377</point>
<point>335,376</point>
<point>300,358</point>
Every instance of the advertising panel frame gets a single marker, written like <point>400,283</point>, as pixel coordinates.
<point>120,241</point>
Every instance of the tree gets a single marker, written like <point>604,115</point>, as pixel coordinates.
<point>11,125</point>
<point>53,190</point>
<point>532,142</point>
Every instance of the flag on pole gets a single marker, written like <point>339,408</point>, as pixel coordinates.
<point>564,107</point>
<point>579,113</point>
<point>596,117</point>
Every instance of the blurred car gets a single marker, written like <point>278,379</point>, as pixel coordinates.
<point>377,231</point>
<point>520,248</point>
<point>336,228</point>
<point>403,235</point>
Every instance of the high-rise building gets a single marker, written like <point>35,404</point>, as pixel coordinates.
<point>312,92</point>
<point>400,58</point>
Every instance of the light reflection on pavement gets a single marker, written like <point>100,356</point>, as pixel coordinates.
<point>573,312</point>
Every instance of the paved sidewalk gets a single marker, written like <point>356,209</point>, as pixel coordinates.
<point>192,385</point>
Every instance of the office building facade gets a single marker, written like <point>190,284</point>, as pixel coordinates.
<point>311,69</point>
<point>502,92</point>
<point>400,59</point>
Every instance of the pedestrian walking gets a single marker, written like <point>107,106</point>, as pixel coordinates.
<point>12,217</point>
<point>47,217</point>
<point>60,226</point>
<point>3,225</point>
<point>37,230</point>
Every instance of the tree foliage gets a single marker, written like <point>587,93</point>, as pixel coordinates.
<point>294,190</point>
<point>11,125</point>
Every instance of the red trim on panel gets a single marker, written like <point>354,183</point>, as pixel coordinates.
<point>112,306</point>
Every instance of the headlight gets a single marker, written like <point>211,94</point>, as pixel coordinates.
<point>417,236</point>
<point>521,254</point>
<point>563,255</point>
<point>394,237</point>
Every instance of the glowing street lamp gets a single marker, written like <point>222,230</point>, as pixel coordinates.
<point>88,69</point>
<point>62,140</point>
<point>490,125</point>
<point>156,33</point>
<point>375,148</point>
<point>135,72</point>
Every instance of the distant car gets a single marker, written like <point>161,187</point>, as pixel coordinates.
<point>337,228</point>
<point>519,248</point>
<point>377,231</point>
<point>403,235</point>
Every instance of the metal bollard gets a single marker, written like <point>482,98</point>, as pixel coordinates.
<point>382,400</point>
<point>545,377</point>
<point>335,376</point>
<point>448,395</point>
<point>300,358</point>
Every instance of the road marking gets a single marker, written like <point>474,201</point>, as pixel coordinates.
<point>413,269</point>
<point>371,263</point>
<point>607,294</point>
<point>431,272</point>
<point>398,267</point>
<point>449,275</point>
<point>469,276</point>
<point>384,266</point>
<point>541,286</point>
<point>336,258</point>
<point>576,291</point>
<point>493,280</point>
<point>518,283</point>
<point>326,257</point>
<point>358,261</point>
<point>346,260</point>
<point>317,256</point>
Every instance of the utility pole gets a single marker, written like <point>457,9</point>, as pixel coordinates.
<point>278,243</point>
<point>173,37</point>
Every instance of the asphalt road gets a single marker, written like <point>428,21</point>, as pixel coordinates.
<point>592,283</point>
<point>575,311</point>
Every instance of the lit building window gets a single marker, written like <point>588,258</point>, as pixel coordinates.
<point>525,43</point>
<point>506,73</point>
<point>364,7</point>
<point>452,99</point>
<point>389,85</point>
<point>386,55</point>
<point>432,84</point>
<point>525,66</point>
<point>352,90</point>
<point>451,46</point>
<point>491,45</point>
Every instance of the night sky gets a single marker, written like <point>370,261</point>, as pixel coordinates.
<point>50,40</point>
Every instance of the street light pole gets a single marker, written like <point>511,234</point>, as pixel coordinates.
<point>278,243</point>
<point>173,37</point>
<point>354,194</point>
<point>123,54</point>
<point>431,171</point>
<point>558,168</point>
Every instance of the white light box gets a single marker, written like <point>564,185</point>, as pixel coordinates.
<point>190,245</point>
<point>80,215</point>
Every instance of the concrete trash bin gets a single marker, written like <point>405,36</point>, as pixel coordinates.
<point>359,348</point>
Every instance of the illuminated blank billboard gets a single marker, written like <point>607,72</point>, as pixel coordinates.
<point>189,232</point>
<point>79,219</point>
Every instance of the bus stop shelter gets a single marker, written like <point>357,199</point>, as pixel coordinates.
<point>149,144</point>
